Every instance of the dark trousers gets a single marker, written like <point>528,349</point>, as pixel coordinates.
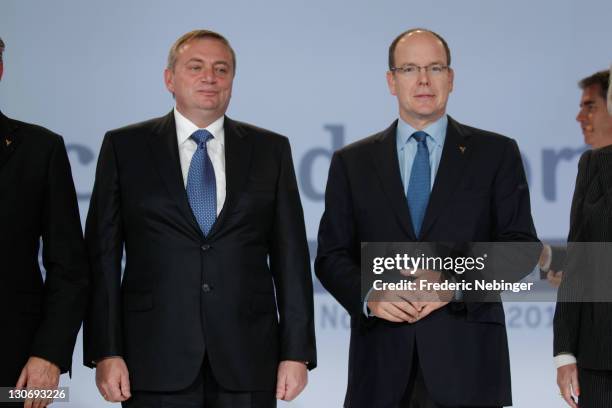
<point>595,388</point>
<point>205,392</point>
<point>416,394</point>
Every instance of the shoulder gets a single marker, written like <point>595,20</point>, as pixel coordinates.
<point>35,134</point>
<point>481,136</point>
<point>363,147</point>
<point>262,137</point>
<point>139,128</point>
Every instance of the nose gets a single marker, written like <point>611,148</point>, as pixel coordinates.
<point>423,78</point>
<point>208,75</point>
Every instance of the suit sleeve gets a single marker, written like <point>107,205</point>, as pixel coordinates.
<point>566,323</point>
<point>65,262</point>
<point>290,267</point>
<point>102,333</point>
<point>512,206</point>
<point>337,262</point>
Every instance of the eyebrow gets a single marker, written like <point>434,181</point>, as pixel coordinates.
<point>200,60</point>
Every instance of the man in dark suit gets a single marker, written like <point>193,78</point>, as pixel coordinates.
<point>425,178</point>
<point>583,330</point>
<point>215,307</point>
<point>40,318</point>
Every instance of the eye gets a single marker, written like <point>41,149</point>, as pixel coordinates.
<point>436,69</point>
<point>221,70</point>
<point>194,68</point>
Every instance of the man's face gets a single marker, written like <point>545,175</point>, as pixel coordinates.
<point>594,119</point>
<point>422,97</point>
<point>201,80</point>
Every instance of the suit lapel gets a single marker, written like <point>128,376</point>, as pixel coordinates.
<point>455,155</point>
<point>9,139</point>
<point>164,148</point>
<point>238,148</point>
<point>387,168</point>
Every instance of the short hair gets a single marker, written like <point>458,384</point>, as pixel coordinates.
<point>414,30</point>
<point>197,35</point>
<point>601,78</point>
<point>1,49</point>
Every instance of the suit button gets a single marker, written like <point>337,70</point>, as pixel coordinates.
<point>205,247</point>
<point>206,288</point>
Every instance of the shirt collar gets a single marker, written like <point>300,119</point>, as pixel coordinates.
<point>185,128</point>
<point>435,130</point>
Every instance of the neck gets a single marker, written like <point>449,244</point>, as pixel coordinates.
<point>199,119</point>
<point>419,123</point>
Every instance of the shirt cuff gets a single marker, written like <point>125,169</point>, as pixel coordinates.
<point>564,359</point>
<point>367,311</point>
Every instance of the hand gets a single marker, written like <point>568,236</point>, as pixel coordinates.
<point>40,374</point>
<point>113,380</point>
<point>567,380</point>
<point>393,306</point>
<point>554,278</point>
<point>545,256</point>
<point>429,300</point>
<point>291,379</point>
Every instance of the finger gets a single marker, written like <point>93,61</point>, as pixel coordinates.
<point>125,385</point>
<point>114,392</point>
<point>281,385</point>
<point>291,392</point>
<point>29,403</point>
<point>395,309</point>
<point>575,384</point>
<point>408,308</point>
<point>567,395</point>
<point>380,311</point>
<point>23,379</point>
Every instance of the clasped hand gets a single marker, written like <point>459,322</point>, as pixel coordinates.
<point>410,305</point>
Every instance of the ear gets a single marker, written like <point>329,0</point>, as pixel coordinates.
<point>451,79</point>
<point>391,83</point>
<point>169,80</point>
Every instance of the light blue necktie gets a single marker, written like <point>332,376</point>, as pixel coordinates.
<point>201,185</point>
<point>420,182</point>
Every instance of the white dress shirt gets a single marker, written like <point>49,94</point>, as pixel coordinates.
<point>215,148</point>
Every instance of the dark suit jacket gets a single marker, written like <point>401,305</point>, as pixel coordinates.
<point>38,200</point>
<point>585,329</point>
<point>184,294</point>
<point>478,195</point>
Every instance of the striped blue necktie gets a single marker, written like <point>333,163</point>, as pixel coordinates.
<point>201,185</point>
<point>420,182</point>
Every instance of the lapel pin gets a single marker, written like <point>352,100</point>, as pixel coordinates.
<point>462,148</point>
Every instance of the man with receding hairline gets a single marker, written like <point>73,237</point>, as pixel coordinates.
<point>425,178</point>
<point>215,307</point>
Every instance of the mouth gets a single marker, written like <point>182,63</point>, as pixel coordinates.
<point>207,93</point>
<point>424,97</point>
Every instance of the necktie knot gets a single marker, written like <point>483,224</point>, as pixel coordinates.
<point>201,136</point>
<point>419,136</point>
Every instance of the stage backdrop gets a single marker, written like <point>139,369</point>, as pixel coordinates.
<point>315,71</point>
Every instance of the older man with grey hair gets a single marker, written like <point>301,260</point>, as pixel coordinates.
<point>40,317</point>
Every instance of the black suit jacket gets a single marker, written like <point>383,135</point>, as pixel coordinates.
<point>585,329</point>
<point>38,200</point>
<point>479,195</point>
<point>184,294</point>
